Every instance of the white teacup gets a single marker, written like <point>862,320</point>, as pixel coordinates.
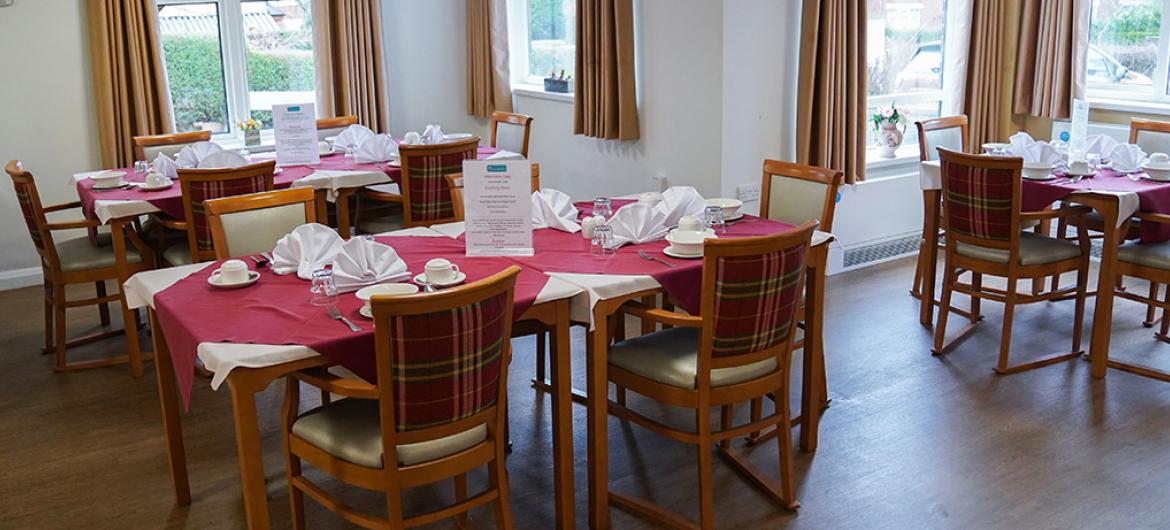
<point>1079,167</point>
<point>1159,159</point>
<point>650,198</point>
<point>391,289</point>
<point>411,138</point>
<point>441,271</point>
<point>691,223</point>
<point>155,179</point>
<point>686,242</point>
<point>233,271</point>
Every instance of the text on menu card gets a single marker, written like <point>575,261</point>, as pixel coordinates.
<point>497,207</point>
<point>295,129</point>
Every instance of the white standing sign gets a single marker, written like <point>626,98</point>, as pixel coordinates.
<point>295,127</point>
<point>497,207</point>
<point>1078,129</point>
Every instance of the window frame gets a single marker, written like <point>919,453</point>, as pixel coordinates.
<point>234,51</point>
<point>521,82</point>
<point>1102,96</point>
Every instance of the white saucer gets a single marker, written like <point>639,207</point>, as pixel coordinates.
<point>394,163</point>
<point>1150,178</point>
<point>421,279</point>
<point>736,217</point>
<point>670,252</point>
<point>214,281</point>
<point>277,171</point>
<point>1041,179</point>
<point>1090,174</point>
<point>110,186</point>
<point>142,186</point>
<point>365,312</point>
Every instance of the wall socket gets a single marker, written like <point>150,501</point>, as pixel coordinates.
<point>748,192</point>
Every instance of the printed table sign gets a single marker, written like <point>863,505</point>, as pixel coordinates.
<point>498,207</point>
<point>295,127</point>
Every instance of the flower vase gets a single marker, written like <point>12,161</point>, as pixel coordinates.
<point>889,139</point>
<point>252,137</point>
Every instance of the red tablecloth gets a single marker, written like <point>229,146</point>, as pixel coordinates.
<point>276,310</point>
<point>1153,197</point>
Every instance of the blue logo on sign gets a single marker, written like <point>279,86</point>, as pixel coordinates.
<point>497,168</point>
<point>294,109</point>
<point>1064,136</point>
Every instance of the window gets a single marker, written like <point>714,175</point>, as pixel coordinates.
<point>228,60</point>
<point>547,31</point>
<point>1127,56</point>
<point>904,58</point>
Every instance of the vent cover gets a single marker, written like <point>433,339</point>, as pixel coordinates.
<point>883,251</point>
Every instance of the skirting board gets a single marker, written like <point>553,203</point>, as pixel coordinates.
<point>17,278</point>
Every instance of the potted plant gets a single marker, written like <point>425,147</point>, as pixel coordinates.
<point>251,129</point>
<point>890,125</point>
<point>559,84</point>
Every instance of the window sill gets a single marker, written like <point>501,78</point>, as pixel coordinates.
<point>1133,106</point>
<point>537,91</point>
<point>905,162</point>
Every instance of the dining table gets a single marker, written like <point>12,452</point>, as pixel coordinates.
<point>1116,196</point>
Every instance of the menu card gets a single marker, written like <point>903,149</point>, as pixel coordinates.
<point>1078,129</point>
<point>497,206</point>
<point>295,127</point>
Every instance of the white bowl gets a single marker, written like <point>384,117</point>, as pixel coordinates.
<point>1037,170</point>
<point>730,206</point>
<point>990,147</point>
<point>110,177</point>
<point>1157,171</point>
<point>688,242</point>
<point>392,289</point>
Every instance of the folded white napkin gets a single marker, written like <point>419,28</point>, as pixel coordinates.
<point>378,148</point>
<point>1127,157</point>
<point>222,160</point>
<point>554,209</point>
<point>166,165</point>
<point>638,223</point>
<point>678,202</point>
<point>191,155</point>
<point>353,136</point>
<point>307,248</point>
<point>1018,143</point>
<point>1042,153</point>
<point>433,135</point>
<point>362,262</point>
<point>1100,144</point>
<point>505,155</point>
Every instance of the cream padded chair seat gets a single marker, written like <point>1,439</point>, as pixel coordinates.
<point>178,254</point>
<point>350,430</point>
<point>1156,255</point>
<point>1034,250</point>
<point>672,357</point>
<point>381,225</point>
<point>80,254</point>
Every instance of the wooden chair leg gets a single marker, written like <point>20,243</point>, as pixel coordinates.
<point>940,329</point>
<point>1005,337</point>
<point>1151,309</point>
<point>498,480</point>
<point>1079,312</point>
<point>49,319</point>
<point>291,410</point>
<point>59,329</point>
<point>725,413</point>
<point>706,480</point>
<point>541,352</point>
<point>460,481</point>
<point>916,287</point>
<point>620,395</point>
<point>977,284</point>
<point>1165,330</point>
<point>756,413</point>
<point>784,445</point>
<point>104,307</point>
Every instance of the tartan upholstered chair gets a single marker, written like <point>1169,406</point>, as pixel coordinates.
<point>739,348</point>
<point>69,262</point>
<point>200,185</point>
<point>426,195</point>
<point>327,127</point>
<point>244,225</point>
<point>949,132</point>
<point>149,147</point>
<point>435,412</point>
<point>981,215</point>
<point>511,132</point>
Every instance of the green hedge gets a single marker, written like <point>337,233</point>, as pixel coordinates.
<point>195,73</point>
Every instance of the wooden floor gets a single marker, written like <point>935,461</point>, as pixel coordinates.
<point>911,441</point>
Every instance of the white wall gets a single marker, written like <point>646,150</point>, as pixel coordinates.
<point>46,116</point>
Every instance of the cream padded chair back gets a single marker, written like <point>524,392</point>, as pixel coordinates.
<point>256,231</point>
<point>948,138</point>
<point>510,137</point>
<point>322,134</point>
<point>1153,141</point>
<point>796,201</point>
<point>171,150</point>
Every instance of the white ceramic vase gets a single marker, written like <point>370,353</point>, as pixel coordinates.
<point>889,139</point>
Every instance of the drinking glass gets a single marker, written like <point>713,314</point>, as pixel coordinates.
<point>713,218</point>
<point>602,243</point>
<point>323,290</point>
<point>603,206</point>
<point>350,152</point>
<point>141,168</point>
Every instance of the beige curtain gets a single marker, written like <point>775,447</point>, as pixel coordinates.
<point>351,77</point>
<point>1050,65</point>
<point>606,103</point>
<point>487,58</point>
<point>831,89</point>
<point>129,79</point>
<point>984,73</point>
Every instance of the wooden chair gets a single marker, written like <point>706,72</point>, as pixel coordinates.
<point>148,147</point>
<point>796,193</point>
<point>70,262</point>
<point>1150,262</point>
<point>511,132</point>
<point>249,224</point>
<point>949,132</point>
<point>327,127</point>
<point>1152,136</point>
<point>417,424</point>
<point>982,218</point>
<point>426,194</point>
<point>736,350</point>
<point>455,183</point>
<point>201,185</point>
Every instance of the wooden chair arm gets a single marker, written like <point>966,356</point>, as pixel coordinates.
<point>381,196</point>
<point>63,206</point>
<point>661,316</point>
<point>71,225</point>
<point>1059,213</point>
<point>330,382</point>
<point>1153,217</point>
<point>173,224</point>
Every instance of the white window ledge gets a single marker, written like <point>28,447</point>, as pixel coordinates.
<point>905,162</point>
<point>1133,106</point>
<point>537,91</point>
